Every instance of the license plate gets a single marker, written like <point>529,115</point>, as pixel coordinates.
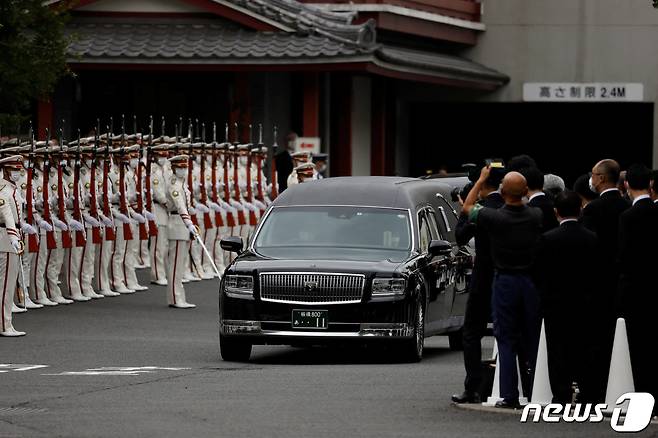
<point>310,319</point>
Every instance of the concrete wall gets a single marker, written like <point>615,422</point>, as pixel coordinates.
<point>571,41</point>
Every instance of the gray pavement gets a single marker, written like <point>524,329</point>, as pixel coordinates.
<point>130,366</point>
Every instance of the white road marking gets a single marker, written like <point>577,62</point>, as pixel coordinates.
<point>7,367</point>
<point>116,371</point>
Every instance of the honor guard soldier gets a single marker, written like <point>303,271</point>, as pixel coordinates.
<point>298,158</point>
<point>179,230</point>
<point>138,220</point>
<point>305,172</point>
<point>11,245</point>
<point>160,174</point>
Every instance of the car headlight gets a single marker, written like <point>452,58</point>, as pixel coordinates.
<point>383,287</point>
<point>239,286</point>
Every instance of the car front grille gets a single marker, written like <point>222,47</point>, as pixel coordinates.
<point>311,288</point>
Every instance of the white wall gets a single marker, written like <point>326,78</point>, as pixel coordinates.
<point>571,41</point>
<point>361,125</point>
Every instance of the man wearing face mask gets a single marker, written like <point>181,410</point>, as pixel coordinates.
<point>299,158</point>
<point>320,161</point>
<point>11,246</point>
<point>160,174</point>
<point>179,231</point>
<point>133,245</point>
<point>602,217</point>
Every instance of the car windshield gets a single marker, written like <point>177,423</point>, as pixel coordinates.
<point>331,232</point>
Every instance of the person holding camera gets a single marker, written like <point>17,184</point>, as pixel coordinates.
<point>478,306</point>
<point>514,232</point>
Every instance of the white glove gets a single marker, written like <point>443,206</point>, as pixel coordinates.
<point>106,220</point>
<point>202,208</point>
<point>91,220</point>
<point>215,207</point>
<point>39,204</point>
<point>138,217</point>
<point>191,210</point>
<point>120,217</point>
<point>75,225</point>
<point>236,205</point>
<point>191,228</point>
<point>242,185</point>
<point>27,228</point>
<point>16,244</point>
<point>249,206</point>
<point>259,204</point>
<point>44,225</point>
<point>148,215</point>
<point>59,224</point>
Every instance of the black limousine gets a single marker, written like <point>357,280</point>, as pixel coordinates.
<point>365,259</point>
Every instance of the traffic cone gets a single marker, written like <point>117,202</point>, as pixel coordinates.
<point>541,386</point>
<point>620,376</point>
<point>495,390</point>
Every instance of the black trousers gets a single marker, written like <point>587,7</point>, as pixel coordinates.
<point>476,318</point>
<point>565,353</point>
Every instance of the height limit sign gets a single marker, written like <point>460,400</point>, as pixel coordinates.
<point>583,92</point>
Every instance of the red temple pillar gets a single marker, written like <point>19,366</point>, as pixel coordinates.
<point>311,106</point>
<point>341,125</point>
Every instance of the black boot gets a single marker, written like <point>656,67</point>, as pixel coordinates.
<point>466,397</point>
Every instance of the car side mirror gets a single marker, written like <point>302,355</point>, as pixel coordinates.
<point>440,247</point>
<point>232,244</point>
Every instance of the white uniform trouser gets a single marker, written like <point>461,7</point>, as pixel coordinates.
<point>158,254</point>
<point>178,259</point>
<point>54,261</point>
<point>131,258</point>
<point>209,241</point>
<point>143,258</point>
<point>87,265</point>
<point>72,262</point>
<point>8,277</point>
<point>117,267</point>
<point>38,271</point>
<point>102,263</point>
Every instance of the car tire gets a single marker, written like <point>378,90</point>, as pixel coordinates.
<point>234,350</point>
<point>411,350</point>
<point>456,340</point>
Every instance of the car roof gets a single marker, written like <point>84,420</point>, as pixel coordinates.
<point>371,191</point>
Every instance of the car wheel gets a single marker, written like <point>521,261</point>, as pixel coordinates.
<point>412,350</point>
<point>456,340</point>
<point>234,350</point>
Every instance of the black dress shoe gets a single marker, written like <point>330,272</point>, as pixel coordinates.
<point>504,404</point>
<point>466,397</point>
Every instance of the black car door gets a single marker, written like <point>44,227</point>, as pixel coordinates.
<point>440,294</point>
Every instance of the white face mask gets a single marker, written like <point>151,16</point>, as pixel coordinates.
<point>161,161</point>
<point>88,163</point>
<point>243,160</point>
<point>322,168</point>
<point>63,163</point>
<point>15,175</point>
<point>134,162</point>
<point>26,164</point>
<point>181,172</point>
<point>591,186</point>
<point>197,159</point>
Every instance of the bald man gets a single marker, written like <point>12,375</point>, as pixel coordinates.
<point>602,217</point>
<point>514,232</point>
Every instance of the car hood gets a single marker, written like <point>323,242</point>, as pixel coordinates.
<point>250,263</point>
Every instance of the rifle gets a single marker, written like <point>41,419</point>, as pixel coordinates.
<point>153,228</point>
<point>190,171</point>
<point>51,243</point>
<point>32,239</point>
<point>143,230</point>
<point>236,186</point>
<point>96,236</point>
<point>253,220</point>
<point>260,194</point>
<point>109,231</point>
<point>274,178</point>
<point>213,176</point>
<point>123,204</point>
<point>80,238</point>
<point>67,241</point>
<point>207,221</point>
<point>230,219</point>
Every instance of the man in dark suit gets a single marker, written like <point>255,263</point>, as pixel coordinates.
<point>602,217</point>
<point>284,163</point>
<point>566,257</point>
<point>538,199</point>
<point>638,293</point>
<point>478,306</point>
